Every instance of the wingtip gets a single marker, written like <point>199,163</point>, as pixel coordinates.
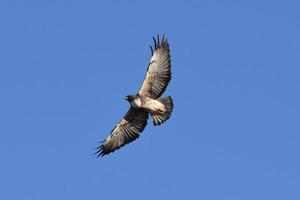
<point>159,42</point>
<point>155,46</point>
<point>151,50</point>
<point>100,151</point>
<point>163,39</point>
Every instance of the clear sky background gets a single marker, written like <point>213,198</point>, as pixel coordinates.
<point>65,67</point>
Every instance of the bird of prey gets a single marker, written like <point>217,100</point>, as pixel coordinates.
<point>145,102</point>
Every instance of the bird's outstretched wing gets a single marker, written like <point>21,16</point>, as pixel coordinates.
<point>159,70</point>
<point>126,131</point>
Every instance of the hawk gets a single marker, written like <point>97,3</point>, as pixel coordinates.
<point>145,102</point>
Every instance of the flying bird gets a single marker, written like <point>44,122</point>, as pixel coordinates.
<point>146,101</point>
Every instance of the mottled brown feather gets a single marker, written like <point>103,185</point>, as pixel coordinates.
<point>126,131</point>
<point>158,73</point>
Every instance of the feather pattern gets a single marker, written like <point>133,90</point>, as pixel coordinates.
<point>126,131</point>
<point>158,74</point>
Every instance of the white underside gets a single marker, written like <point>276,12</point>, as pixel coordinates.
<point>151,105</point>
<point>136,103</point>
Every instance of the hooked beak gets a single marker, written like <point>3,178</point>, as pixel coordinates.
<point>126,98</point>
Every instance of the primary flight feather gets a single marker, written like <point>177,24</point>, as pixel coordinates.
<point>145,102</point>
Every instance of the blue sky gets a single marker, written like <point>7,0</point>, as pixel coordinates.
<point>65,67</point>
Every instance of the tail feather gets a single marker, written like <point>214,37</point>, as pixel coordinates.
<point>160,118</point>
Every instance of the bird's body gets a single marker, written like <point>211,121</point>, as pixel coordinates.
<point>146,102</point>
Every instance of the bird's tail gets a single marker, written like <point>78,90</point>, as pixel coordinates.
<point>159,118</point>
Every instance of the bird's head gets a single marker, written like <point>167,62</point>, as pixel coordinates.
<point>129,98</point>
